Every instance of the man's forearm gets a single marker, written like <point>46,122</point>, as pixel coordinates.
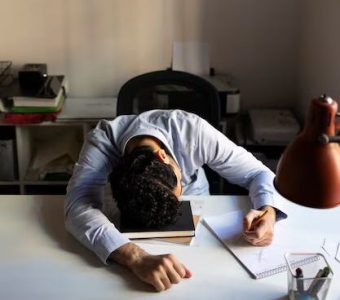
<point>161,271</point>
<point>128,254</point>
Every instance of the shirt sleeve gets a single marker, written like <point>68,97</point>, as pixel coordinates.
<point>85,192</point>
<point>238,166</point>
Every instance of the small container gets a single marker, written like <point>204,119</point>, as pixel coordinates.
<point>309,276</point>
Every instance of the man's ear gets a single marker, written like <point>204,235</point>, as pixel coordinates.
<point>162,156</point>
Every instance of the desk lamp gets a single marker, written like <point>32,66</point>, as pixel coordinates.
<point>308,172</point>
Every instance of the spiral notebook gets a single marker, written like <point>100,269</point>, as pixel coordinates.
<point>260,262</point>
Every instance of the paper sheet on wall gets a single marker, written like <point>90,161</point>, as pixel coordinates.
<point>332,248</point>
<point>192,57</point>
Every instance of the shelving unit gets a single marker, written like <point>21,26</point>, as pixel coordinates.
<point>27,139</point>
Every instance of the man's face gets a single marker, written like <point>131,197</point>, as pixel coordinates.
<point>167,159</point>
<point>178,189</point>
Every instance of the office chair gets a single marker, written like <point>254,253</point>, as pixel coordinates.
<point>173,90</point>
<point>170,90</point>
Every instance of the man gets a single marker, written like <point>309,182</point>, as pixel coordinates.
<point>154,158</point>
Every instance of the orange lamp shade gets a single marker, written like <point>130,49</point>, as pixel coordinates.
<point>308,172</point>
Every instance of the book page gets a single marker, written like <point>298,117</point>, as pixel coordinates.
<point>259,261</point>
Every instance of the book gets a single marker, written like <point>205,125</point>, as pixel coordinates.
<point>183,227</point>
<point>41,109</point>
<point>265,261</point>
<point>48,96</point>
<point>182,240</point>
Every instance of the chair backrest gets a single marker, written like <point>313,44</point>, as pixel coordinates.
<point>170,90</point>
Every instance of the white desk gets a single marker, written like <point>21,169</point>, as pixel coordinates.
<point>39,260</point>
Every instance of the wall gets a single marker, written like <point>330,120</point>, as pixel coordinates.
<point>99,44</point>
<point>319,52</point>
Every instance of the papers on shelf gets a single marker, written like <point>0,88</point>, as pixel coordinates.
<point>88,108</point>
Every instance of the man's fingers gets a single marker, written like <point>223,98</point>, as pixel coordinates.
<point>261,237</point>
<point>259,232</point>
<point>161,271</point>
<point>158,284</point>
<point>262,242</point>
<point>180,269</point>
<point>188,273</point>
<point>166,281</point>
<point>248,219</point>
<point>173,276</point>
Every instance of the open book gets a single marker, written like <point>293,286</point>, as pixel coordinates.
<point>260,262</point>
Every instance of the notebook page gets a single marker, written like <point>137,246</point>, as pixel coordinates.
<point>259,261</point>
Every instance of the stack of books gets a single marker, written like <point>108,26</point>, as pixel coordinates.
<point>48,99</point>
<point>183,227</point>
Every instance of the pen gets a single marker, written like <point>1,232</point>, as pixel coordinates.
<point>318,281</point>
<point>299,280</point>
<point>259,218</point>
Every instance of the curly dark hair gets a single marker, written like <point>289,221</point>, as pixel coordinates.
<point>143,188</point>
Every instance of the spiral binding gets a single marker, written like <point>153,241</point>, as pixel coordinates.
<point>283,267</point>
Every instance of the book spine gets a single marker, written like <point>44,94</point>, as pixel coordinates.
<point>38,109</point>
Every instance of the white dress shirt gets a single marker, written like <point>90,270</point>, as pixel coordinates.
<point>191,141</point>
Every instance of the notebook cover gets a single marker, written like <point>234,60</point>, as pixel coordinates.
<point>184,226</point>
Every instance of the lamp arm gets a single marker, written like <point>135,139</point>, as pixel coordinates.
<point>337,123</point>
<point>325,139</point>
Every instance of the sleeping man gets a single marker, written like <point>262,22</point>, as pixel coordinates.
<point>151,160</point>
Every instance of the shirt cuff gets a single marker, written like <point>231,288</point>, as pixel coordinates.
<point>270,200</point>
<point>107,244</point>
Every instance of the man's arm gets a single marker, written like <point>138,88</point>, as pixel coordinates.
<point>240,167</point>
<point>160,271</point>
<point>85,192</point>
<point>85,220</point>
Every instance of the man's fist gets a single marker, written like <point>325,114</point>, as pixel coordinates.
<point>161,271</point>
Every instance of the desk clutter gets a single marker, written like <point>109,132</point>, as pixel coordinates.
<point>32,97</point>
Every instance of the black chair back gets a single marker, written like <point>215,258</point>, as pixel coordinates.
<point>170,90</point>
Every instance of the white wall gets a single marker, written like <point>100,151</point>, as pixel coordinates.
<point>319,52</point>
<point>99,44</point>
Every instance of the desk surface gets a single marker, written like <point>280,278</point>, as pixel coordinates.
<point>39,260</point>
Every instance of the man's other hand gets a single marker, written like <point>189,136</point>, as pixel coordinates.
<point>259,231</point>
<point>161,271</point>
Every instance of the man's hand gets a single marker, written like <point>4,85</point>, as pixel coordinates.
<point>161,271</point>
<point>259,232</point>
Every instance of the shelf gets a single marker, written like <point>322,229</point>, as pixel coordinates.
<point>34,144</point>
<point>44,182</point>
<point>34,147</point>
<point>10,189</point>
<point>3,182</point>
<point>45,189</point>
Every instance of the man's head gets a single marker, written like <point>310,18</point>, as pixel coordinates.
<point>146,186</point>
